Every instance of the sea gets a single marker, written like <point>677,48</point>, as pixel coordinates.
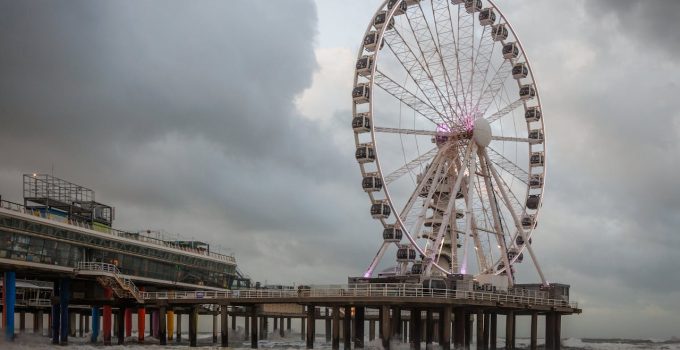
<point>29,341</point>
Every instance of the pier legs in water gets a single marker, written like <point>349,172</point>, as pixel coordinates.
<point>224,339</point>
<point>178,336</point>
<point>310,326</point>
<point>510,330</point>
<point>553,324</point>
<point>141,322</point>
<point>60,317</point>
<point>347,328</point>
<point>359,316</point>
<point>493,331</point>
<point>336,328</point>
<point>162,325</point>
<point>282,332</point>
<point>95,325</point>
<point>128,322</point>
<point>445,327</point>
<point>253,327</point>
<point>170,320</point>
<point>8,302</point>
<point>120,323</point>
<point>416,327</point>
<point>385,327</point>
<point>193,324</point>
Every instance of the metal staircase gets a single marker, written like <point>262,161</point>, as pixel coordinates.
<point>109,276</point>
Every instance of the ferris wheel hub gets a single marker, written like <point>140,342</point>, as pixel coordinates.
<point>481,132</point>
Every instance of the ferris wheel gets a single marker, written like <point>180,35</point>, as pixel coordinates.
<point>450,138</point>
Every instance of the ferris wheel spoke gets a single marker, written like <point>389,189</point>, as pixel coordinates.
<point>515,139</point>
<point>431,169</point>
<point>515,218</point>
<point>465,48</point>
<point>446,42</point>
<point>425,109</point>
<point>505,111</point>
<point>508,166</point>
<point>482,66</point>
<point>404,131</point>
<point>415,69</point>
<point>429,52</point>
<point>495,86</point>
<point>410,166</point>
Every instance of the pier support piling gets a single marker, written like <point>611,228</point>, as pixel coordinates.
<point>141,322</point>
<point>8,303</point>
<point>310,326</point>
<point>193,325</point>
<point>56,315</point>
<point>246,327</point>
<point>385,327</point>
<point>95,324</point>
<point>178,335</point>
<point>415,329</point>
<point>487,325</point>
<point>282,332</point>
<point>128,322</point>
<point>510,330</point>
<point>327,324</point>
<point>347,328</point>
<point>533,342</point>
<point>335,343</point>
<point>459,329</point>
<point>429,327</point>
<point>120,329</point>
<point>214,327</point>
<point>81,325</point>
<point>445,328</point>
<point>162,325</point>
<point>170,320</point>
<point>396,321</point>
<point>479,318</point>
<point>493,331</point>
<point>224,325</point>
<point>371,330</point>
<point>359,318</point>
<point>253,327</point>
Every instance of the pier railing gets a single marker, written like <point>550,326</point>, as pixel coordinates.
<point>372,290</point>
<point>112,271</point>
<point>155,239</point>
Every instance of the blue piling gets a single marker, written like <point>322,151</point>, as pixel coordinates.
<point>9,295</point>
<point>64,298</point>
<point>95,324</point>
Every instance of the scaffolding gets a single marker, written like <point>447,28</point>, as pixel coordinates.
<point>59,197</point>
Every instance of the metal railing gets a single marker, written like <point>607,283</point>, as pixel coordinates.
<point>371,290</point>
<point>124,282</point>
<point>141,236</point>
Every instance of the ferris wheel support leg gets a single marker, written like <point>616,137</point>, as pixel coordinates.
<point>468,216</point>
<point>515,218</point>
<point>469,155</point>
<point>484,160</point>
<point>376,260</point>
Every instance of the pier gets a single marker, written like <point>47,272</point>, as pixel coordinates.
<point>63,264</point>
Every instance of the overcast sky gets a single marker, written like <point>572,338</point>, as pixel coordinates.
<point>228,121</point>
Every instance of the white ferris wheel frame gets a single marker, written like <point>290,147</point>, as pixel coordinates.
<point>488,164</point>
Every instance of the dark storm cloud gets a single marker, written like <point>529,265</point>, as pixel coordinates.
<point>652,24</point>
<point>182,115</point>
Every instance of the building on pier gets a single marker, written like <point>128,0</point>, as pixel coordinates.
<point>62,236</point>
